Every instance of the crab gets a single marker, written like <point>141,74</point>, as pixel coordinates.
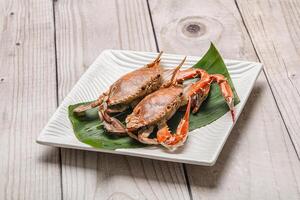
<point>158,107</point>
<point>126,92</point>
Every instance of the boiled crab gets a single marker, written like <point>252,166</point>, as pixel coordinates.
<point>158,107</point>
<point>128,91</point>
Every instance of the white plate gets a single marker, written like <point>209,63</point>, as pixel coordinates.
<point>202,146</point>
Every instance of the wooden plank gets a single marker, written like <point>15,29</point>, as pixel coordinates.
<point>258,160</point>
<point>28,98</point>
<point>275,31</point>
<point>84,29</point>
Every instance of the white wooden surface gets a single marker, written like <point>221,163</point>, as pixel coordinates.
<point>46,46</point>
<point>258,161</point>
<point>275,36</point>
<point>28,98</point>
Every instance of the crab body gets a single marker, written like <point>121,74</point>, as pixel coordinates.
<point>165,95</point>
<point>134,85</point>
<point>158,107</point>
<point>125,92</point>
<point>155,108</point>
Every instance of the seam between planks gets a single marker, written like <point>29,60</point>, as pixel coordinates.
<point>187,181</point>
<point>157,49</point>
<point>271,89</point>
<point>57,97</point>
<point>153,29</point>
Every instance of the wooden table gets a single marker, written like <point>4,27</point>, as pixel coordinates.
<point>46,46</point>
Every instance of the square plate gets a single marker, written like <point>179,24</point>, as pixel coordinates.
<point>203,145</point>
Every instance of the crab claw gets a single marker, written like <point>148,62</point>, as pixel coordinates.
<point>170,140</point>
<point>111,124</point>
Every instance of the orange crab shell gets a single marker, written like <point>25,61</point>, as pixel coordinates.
<point>135,85</point>
<point>156,107</point>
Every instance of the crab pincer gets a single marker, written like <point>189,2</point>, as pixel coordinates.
<point>170,140</point>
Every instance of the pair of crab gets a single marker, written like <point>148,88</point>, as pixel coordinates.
<point>156,94</point>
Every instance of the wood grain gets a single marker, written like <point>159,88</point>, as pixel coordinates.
<point>83,30</point>
<point>275,32</point>
<point>28,98</point>
<point>258,161</point>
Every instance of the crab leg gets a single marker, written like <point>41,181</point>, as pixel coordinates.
<point>143,136</point>
<point>192,73</point>
<point>203,85</point>
<point>198,99</point>
<point>81,109</point>
<point>226,92</point>
<point>117,110</point>
<point>170,140</point>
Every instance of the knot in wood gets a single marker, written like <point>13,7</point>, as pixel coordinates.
<point>193,28</point>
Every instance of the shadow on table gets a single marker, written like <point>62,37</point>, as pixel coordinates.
<point>84,165</point>
<point>210,177</point>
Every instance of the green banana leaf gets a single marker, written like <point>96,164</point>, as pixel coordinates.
<point>88,129</point>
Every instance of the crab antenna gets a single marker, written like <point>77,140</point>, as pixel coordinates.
<point>156,61</point>
<point>175,73</point>
<point>158,57</point>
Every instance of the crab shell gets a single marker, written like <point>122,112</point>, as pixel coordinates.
<point>135,85</point>
<point>156,108</point>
